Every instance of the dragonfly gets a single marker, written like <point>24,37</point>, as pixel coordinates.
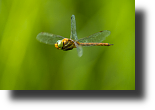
<point>66,44</point>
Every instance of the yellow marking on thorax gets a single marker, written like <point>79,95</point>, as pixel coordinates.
<point>65,40</point>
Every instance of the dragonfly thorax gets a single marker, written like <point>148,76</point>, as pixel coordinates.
<point>65,44</point>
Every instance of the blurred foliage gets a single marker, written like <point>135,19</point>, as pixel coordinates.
<point>26,64</point>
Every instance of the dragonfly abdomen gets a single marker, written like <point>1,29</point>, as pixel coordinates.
<point>95,44</point>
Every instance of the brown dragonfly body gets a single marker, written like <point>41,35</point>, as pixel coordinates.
<point>69,44</point>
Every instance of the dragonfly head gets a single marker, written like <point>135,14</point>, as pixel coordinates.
<point>59,44</point>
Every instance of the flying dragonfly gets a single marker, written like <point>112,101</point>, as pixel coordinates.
<point>65,44</point>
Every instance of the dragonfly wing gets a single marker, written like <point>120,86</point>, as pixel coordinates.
<point>73,29</point>
<point>79,49</point>
<point>48,38</point>
<point>95,38</point>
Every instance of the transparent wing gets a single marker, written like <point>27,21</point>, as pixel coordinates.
<point>79,49</point>
<point>73,29</point>
<point>95,38</point>
<point>48,38</point>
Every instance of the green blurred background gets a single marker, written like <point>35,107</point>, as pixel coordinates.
<point>26,64</point>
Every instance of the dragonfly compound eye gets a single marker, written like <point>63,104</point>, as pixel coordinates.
<point>59,44</point>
